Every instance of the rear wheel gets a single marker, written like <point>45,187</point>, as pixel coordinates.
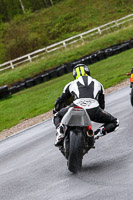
<point>75,150</point>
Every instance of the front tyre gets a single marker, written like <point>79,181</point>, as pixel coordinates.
<point>75,150</point>
<point>131,97</point>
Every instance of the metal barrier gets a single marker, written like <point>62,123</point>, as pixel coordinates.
<point>63,44</point>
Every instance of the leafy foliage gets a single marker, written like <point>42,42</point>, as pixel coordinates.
<point>10,8</point>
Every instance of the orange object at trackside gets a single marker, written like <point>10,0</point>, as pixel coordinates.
<point>131,78</point>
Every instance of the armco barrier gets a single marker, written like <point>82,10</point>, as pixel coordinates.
<point>66,68</point>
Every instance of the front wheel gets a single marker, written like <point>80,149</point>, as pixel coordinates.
<point>131,97</point>
<point>75,150</point>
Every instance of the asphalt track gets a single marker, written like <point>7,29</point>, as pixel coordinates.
<point>31,168</point>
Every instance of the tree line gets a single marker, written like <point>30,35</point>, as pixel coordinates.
<point>10,8</point>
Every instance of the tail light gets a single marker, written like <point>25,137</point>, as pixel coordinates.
<point>90,127</point>
<point>77,108</point>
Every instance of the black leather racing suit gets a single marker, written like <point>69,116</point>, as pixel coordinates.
<point>86,87</point>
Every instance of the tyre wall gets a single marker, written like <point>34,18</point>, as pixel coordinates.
<point>65,68</point>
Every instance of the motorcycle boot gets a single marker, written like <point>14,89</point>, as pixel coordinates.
<point>59,136</point>
<point>100,132</point>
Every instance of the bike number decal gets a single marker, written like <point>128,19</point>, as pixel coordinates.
<point>86,103</point>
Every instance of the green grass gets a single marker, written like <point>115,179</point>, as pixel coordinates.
<point>65,55</point>
<point>40,99</point>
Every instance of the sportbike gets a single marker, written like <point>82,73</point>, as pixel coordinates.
<point>79,136</point>
<point>131,85</point>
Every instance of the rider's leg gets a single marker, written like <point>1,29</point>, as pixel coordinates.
<point>59,127</point>
<point>58,116</point>
<point>110,122</point>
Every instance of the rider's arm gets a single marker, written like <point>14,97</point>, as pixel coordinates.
<point>101,98</point>
<point>63,98</point>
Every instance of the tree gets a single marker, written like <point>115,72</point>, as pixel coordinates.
<point>48,1</point>
<point>3,11</point>
<point>51,1</point>
<point>22,6</point>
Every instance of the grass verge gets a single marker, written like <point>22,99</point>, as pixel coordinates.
<point>40,99</point>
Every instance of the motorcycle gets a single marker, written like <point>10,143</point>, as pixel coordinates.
<point>79,136</point>
<point>131,85</point>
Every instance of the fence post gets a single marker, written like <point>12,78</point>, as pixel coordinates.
<point>12,66</point>
<point>46,50</point>
<point>116,23</point>
<point>64,44</point>
<point>29,58</point>
<point>99,30</point>
<point>81,36</point>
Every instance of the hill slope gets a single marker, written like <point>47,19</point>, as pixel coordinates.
<point>67,18</point>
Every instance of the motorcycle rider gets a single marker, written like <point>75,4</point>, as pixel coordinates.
<point>84,86</point>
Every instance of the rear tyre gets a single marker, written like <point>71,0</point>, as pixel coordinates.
<point>75,150</point>
<point>131,97</point>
